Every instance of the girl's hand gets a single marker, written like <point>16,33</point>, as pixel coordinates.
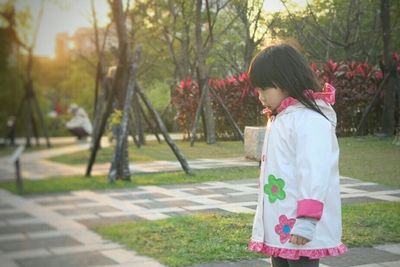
<point>298,240</point>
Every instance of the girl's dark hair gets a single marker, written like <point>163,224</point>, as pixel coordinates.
<point>285,67</point>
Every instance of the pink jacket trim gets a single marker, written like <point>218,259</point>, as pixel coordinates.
<point>295,254</point>
<point>310,208</point>
<point>327,94</point>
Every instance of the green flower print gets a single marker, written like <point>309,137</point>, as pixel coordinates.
<point>274,189</point>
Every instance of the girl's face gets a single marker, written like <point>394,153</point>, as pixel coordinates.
<point>271,97</point>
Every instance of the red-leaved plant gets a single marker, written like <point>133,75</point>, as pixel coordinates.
<point>236,93</point>
<point>355,83</point>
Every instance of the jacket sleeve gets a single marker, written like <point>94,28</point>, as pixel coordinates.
<point>313,145</point>
<point>304,227</point>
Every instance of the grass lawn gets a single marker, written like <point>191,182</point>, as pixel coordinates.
<point>155,151</point>
<point>370,159</point>
<point>183,241</point>
<point>62,184</point>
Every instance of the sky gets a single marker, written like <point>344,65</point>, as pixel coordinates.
<point>62,16</point>
<point>69,15</point>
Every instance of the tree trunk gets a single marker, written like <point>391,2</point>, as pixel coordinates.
<point>202,76</point>
<point>390,68</point>
<point>120,165</point>
<point>248,55</point>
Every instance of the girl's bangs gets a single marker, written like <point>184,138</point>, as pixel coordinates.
<point>259,73</point>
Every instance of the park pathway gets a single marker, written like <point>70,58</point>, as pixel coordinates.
<point>53,229</point>
<point>36,165</point>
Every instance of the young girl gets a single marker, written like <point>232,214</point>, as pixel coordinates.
<point>298,216</point>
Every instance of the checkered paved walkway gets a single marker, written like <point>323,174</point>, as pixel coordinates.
<point>51,230</point>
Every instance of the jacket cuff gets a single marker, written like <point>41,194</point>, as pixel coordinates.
<point>309,208</point>
<point>304,227</point>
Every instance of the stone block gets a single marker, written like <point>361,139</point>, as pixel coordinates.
<point>253,142</point>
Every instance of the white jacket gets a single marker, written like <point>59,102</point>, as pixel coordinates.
<point>80,120</point>
<point>299,178</point>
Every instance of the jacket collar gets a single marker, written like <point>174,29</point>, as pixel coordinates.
<point>327,95</point>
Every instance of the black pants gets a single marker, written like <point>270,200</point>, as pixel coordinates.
<point>79,132</point>
<point>302,262</point>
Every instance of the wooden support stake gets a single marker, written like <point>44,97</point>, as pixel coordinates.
<point>228,114</point>
<point>196,117</point>
<point>164,131</point>
<point>153,130</point>
<point>15,160</point>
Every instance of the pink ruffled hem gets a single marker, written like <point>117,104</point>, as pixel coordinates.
<point>295,254</point>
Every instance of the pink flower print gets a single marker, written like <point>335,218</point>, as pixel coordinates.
<point>284,227</point>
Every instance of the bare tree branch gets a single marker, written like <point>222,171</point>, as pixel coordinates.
<point>300,32</point>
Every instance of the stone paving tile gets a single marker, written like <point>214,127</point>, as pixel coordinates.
<point>24,221</point>
<point>140,196</point>
<point>37,227</point>
<point>126,197</point>
<point>371,188</point>
<point>360,256</point>
<point>125,258</point>
<point>14,215</point>
<point>224,191</point>
<point>167,204</point>
<point>4,206</point>
<point>49,242</point>
<point>196,191</point>
<point>26,254</point>
<point>392,248</point>
<point>347,181</point>
<point>120,190</point>
<point>84,248</point>
<point>89,210</point>
<point>212,191</point>
<point>369,265</point>
<point>249,181</point>
<point>45,234</point>
<point>83,216</point>
<point>7,237</point>
<point>253,207</point>
<point>49,196</point>
<point>64,202</point>
<point>179,186</point>
<point>391,264</point>
<point>234,199</point>
<point>68,260</point>
<point>7,174</point>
